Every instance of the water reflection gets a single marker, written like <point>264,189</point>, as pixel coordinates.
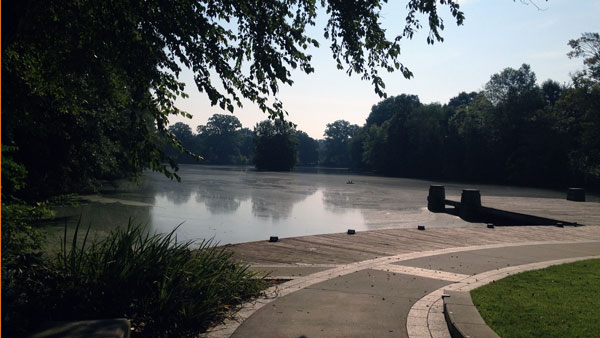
<point>234,204</point>
<point>337,201</point>
<point>100,217</point>
<point>278,204</point>
<point>228,205</point>
<point>174,193</point>
<point>220,201</point>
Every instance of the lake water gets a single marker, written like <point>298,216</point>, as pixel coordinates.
<point>239,204</point>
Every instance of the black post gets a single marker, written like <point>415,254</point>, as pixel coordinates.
<point>576,194</point>
<point>436,201</point>
<point>470,203</point>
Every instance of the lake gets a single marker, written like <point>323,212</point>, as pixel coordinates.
<point>234,204</point>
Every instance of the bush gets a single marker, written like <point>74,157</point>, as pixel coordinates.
<point>164,287</point>
<point>27,281</point>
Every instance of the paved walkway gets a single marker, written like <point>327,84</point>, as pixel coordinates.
<point>394,295</point>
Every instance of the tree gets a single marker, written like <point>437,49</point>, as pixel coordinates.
<point>221,139</point>
<point>409,143</point>
<point>91,83</point>
<point>510,83</point>
<point>337,138</point>
<point>246,137</point>
<point>375,148</point>
<point>357,149</point>
<point>186,137</point>
<point>463,99</point>
<point>471,139</point>
<point>552,91</point>
<point>396,131</point>
<point>220,124</point>
<point>578,126</point>
<point>425,136</point>
<point>308,149</point>
<point>515,96</point>
<point>588,47</point>
<point>182,131</point>
<point>576,118</point>
<point>385,144</point>
<point>275,145</point>
<point>384,110</point>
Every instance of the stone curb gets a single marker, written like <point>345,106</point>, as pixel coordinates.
<point>463,318</point>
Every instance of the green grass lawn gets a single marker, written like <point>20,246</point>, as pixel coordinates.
<point>559,301</point>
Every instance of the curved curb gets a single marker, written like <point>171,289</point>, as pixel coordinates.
<point>229,326</point>
<point>463,318</point>
<point>424,316</point>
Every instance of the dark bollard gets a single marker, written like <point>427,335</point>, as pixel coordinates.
<point>273,239</point>
<point>351,231</point>
<point>576,194</point>
<point>470,204</point>
<point>436,201</point>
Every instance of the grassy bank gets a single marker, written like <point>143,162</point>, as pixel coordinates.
<point>559,301</point>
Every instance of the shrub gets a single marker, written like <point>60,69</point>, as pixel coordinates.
<point>27,280</point>
<point>163,286</point>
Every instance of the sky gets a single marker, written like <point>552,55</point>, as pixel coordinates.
<point>496,34</point>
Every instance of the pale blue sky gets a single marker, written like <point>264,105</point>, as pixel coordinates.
<point>496,34</point>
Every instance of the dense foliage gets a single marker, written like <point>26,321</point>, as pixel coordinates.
<point>514,131</point>
<point>88,86</point>
<point>224,141</point>
<point>221,141</point>
<point>275,145</point>
<point>337,137</point>
<point>163,287</point>
<point>308,149</point>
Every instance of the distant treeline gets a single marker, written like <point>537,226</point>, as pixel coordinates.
<point>514,131</point>
<point>272,144</point>
<point>275,145</point>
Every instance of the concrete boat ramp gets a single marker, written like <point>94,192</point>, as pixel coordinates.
<point>587,213</point>
<point>389,283</point>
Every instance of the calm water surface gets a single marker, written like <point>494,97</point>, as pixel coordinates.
<point>239,204</point>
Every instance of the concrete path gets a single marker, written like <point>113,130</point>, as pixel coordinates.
<point>393,295</point>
